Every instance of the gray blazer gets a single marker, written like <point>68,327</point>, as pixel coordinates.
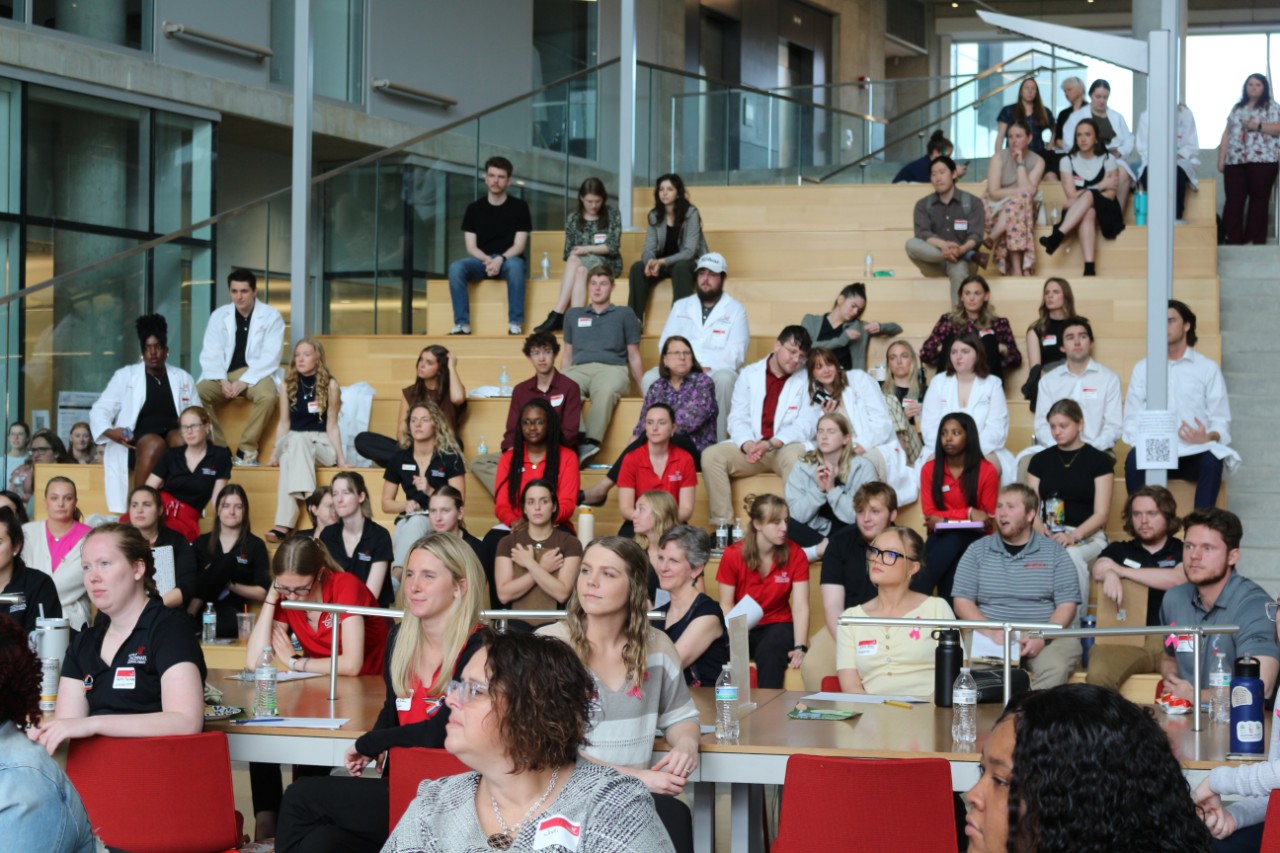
<point>692,243</point>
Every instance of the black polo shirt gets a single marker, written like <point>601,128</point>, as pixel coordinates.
<point>374,546</point>
<point>130,683</point>
<point>247,564</point>
<point>845,564</point>
<point>38,589</point>
<point>1130,553</point>
<point>184,560</point>
<point>403,468</point>
<point>193,487</point>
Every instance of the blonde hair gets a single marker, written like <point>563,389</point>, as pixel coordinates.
<point>764,509</point>
<point>847,454</point>
<point>636,628</point>
<point>464,615</point>
<point>322,375</point>
<point>913,380</point>
<point>665,516</point>
<point>445,440</point>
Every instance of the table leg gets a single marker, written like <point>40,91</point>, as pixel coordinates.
<point>744,818</point>
<point>704,817</point>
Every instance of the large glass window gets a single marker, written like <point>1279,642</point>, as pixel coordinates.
<point>338,31</point>
<point>123,22</point>
<point>1217,67</point>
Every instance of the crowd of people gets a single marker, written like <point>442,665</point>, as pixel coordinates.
<point>849,451</point>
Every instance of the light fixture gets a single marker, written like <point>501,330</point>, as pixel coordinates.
<point>955,5</point>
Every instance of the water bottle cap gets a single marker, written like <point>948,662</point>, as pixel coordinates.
<point>964,669</point>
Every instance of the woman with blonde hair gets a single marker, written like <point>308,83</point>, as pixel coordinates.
<point>190,476</point>
<point>307,433</point>
<point>904,388</point>
<point>656,512</point>
<point>773,570</point>
<point>443,592</point>
<point>438,382</point>
<point>822,484</point>
<point>638,675</point>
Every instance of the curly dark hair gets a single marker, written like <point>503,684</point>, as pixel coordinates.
<point>152,325</point>
<point>544,694</point>
<point>1094,773</point>
<point>20,677</point>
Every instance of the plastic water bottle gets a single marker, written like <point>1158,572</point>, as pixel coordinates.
<point>722,534</point>
<point>964,708</point>
<point>726,706</point>
<point>546,266</point>
<point>1220,685</point>
<point>208,625</point>
<point>737,531</point>
<point>264,680</point>
<point>482,447</point>
<point>504,382</point>
<point>869,265</point>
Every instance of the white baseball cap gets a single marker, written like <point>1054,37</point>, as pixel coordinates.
<point>713,261</point>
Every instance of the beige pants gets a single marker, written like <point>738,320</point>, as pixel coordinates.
<point>1082,555</point>
<point>1112,665</point>
<point>603,385</point>
<point>1054,664</point>
<point>408,530</point>
<point>927,255</point>
<point>725,461</point>
<point>299,452</point>
<point>262,396</point>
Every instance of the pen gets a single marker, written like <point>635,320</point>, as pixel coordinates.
<point>897,704</point>
<point>256,720</point>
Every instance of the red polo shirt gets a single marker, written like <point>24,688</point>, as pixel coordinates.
<point>637,472</point>
<point>773,591</point>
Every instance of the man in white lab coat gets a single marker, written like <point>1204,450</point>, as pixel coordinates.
<point>139,412</point>
<point>241,358</point>
<point>767,423</point>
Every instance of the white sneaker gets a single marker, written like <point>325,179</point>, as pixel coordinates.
<point>461,329</point>
<point>514,329</point>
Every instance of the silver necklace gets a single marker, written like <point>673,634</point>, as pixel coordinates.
<point>503,840</point>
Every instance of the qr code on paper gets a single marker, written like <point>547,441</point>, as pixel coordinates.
<point>1158,450</point>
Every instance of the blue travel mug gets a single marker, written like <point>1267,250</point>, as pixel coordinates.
<point>1246,707</point>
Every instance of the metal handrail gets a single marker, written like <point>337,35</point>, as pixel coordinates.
<point>767,93</point>
<point>968,78</point>
<point>172,30</point>
<point>1054,631</point>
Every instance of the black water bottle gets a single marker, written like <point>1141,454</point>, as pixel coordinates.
<point>946,665</point>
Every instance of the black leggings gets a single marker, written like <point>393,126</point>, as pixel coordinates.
<point>267,786</point>
<point>677,819</point>
<point>770,647</point>
<point>334,814</point>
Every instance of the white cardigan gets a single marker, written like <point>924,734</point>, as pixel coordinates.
<point>988,408</point>
<point>69,577</point>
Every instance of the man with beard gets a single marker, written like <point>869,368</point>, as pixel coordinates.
<point>1021,576</point>
<point>1153,558</point>
<point>715,324</point>
<point>845,582</point>
<point>1216,594</point>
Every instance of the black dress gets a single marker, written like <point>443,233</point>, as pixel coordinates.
<point>704,671</point>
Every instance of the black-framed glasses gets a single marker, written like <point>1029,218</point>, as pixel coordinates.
<point>42,449</point>
<point>1272,606</point>
<point>299,592</point>
<point>466,690</point>
<point>886,557</point>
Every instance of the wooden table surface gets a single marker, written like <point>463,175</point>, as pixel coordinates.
<point>359,699</point>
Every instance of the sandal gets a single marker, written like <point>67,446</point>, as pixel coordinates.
<point>276,535</point>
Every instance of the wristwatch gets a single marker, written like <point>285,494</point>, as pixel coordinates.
<point>800,648</point>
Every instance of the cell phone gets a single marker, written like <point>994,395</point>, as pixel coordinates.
<point>820,396</point>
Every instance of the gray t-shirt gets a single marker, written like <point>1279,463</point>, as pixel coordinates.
<point>1241,602</point>
<point>599,810</point>
<point>601,338</point>
<point>1027,586</point>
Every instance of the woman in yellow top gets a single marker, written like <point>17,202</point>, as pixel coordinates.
<point>891,660</point>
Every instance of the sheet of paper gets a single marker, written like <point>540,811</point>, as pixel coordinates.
<point>748,607</point>
<point>281,676</point>
<point>862,698</point>
<point>982,646</point>
<point>1157,440</point>
<point>306,723</point>
<point>163,557</point>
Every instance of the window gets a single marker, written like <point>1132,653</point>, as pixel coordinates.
<point>123,22</point>
<point>338,33</point>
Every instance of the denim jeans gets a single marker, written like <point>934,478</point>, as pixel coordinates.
<point>471,269</point>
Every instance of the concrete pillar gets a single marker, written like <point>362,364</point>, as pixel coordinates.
<point>1146,17</point>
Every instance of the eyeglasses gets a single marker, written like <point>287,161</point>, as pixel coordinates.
<point>299,592</point>
<point>42,449</point>
<point>680,353</point>
<point>1272,606</point>
<point>190,427</point>
<point>886,557</point>
<point>466,690</point>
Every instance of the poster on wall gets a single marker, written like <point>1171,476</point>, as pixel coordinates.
<point>73,407</point>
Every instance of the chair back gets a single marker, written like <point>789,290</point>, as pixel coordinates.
<point>875,813</point>
<point>831,684</point>
<point>1271,830</point>
<point>409,767</point>
<point>181,784</point>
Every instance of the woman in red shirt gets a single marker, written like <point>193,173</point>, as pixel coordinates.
<point>658,465</point>
<point>541,457</point>
<point>956,485</point>
<point>775,572</point>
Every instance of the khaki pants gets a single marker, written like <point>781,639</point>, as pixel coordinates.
<point>724,461</point>
<point>299,455</point>
<point>1112,665</point>
<point>927,255</point>
<point>1054,664</point>
<point>1082,555</point>
<point>603,385</point>
<point>485,469</point>
<point>262,396</point>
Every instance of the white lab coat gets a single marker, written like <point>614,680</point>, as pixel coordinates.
<point>721,342</point>
<point>988,408</point>
<point>1188,149</point>
<point>261,351</point>
<point>119,406</point>
<point>747,409</point>
<point>863,404</point>
<point>1122,143</point>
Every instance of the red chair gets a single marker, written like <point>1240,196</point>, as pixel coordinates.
<point>409,766</point>
<point>831,684</point>
<point>159,794</point>
<point>873,809</point>
<point>1271,832</point>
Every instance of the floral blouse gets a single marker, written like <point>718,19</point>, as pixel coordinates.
<point>1252,146</point>
<point>591,235</point>
<point>944,331</point>
<point>694,404</point>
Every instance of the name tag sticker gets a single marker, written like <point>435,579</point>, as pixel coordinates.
<point>209,472</point>
<point>439,473</point>
<point>719,331</point>
<point>962,225</point>
<point>1184,644</point>
<point>982,333</point>
<point>599,239</point>
<point>1050,340</point>
<point>1079,181</point>
<point>867,647</point>
<point>556,400</point>
<point>1132,563</point>
<point>404,704</point>
<point>242,559</point>
<point>126,678</point>
<point>584,322</point>
<point>1166,564</point>
<point>946,489</point>
<point>1088,393</point>
<point>409,466</point>
<point>557,831</point>
<point>368,558</point>
<point>313,407</point>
